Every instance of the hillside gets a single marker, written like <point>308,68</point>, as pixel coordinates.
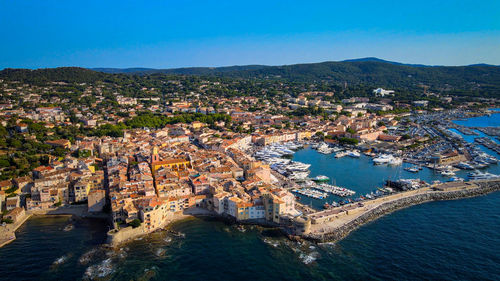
<point>60,74</point>
<point>368,71</point>
<point>477,80</point>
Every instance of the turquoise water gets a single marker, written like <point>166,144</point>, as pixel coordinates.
<point>448,240</point>
<point>481,121</point>
<point>360,175</point>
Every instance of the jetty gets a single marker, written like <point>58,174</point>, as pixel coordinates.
<point>336,223</point>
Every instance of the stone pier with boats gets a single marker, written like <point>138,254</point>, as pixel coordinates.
<point>336,223</point>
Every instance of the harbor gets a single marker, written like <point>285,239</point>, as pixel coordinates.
<point>336,223</point>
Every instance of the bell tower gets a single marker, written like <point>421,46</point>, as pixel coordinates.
<point>154,155</point>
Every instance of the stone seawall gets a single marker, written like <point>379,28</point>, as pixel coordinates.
<point>339,233</point>
<point>116,237</point>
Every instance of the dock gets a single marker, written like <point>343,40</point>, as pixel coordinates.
<point>336,223</point>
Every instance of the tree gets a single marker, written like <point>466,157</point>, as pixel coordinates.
<point>351,141</point>
<point>7,220</point>
<point>135,223</point>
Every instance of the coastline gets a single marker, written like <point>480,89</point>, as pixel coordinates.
<point>339,227</point>
<point>116,238</point>
<point>8,234</point>
<point>354,221</point>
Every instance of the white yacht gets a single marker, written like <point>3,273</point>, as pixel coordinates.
<point>382,159</point>
<point>396,161</point>
<point>447,173</point>
<point>354,154</point>
<point>477,175</point>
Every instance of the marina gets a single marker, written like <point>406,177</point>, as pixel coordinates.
<point>369,173</point>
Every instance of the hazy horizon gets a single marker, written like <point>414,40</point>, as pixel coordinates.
<point>235,65</point>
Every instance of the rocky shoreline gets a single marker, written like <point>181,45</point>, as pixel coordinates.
<point>484,187</point>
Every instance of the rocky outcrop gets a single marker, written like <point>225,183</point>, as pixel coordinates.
<point>339,233</point>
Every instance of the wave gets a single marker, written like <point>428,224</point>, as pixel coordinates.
<point>61,260</point>
<point>100,270</point>
<point>86,257</point>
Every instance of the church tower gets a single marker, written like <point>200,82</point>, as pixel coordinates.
<point>154,155</point>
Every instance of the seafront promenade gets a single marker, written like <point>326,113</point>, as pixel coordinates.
<point>334,224</point>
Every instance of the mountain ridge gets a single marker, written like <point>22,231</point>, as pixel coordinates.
<point>260,66</point>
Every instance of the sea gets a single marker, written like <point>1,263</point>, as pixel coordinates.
<point>446,240</point>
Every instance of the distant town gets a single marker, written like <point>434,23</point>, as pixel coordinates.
<point>144,151</point>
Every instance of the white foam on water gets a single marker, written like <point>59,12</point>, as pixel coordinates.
<point>100,270</point>
<point>309,258</point>
<point>85,258</point>
<point>160,252</point>
<point>69,227</point>
<point>60,260</point>
<point>275,244</point>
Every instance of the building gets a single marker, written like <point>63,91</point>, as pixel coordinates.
<point>173,164</point>
<point>59,143</point>
<point>12,203</point>
<point>96,200</point>
<point>382,93</point>
<point>450,158</point>
<point>421,103</point>
<point>16,214</point>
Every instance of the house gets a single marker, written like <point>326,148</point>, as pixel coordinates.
<point>200,184</point>
<point>16,214</point>
<point>22,128</point>
<point>421,103</point>
<point>381,92</point>
<point>59,143</point>
<point>12,202</point>
<point>23,184</point>
<point>5,185</point>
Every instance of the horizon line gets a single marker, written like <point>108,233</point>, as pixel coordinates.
<point>362,59</point>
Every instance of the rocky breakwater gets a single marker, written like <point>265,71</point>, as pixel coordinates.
<point>445,191</point>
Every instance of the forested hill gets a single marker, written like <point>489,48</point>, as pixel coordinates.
<point>478,80</point>
<point>60,74</point>
<point>369,71</point>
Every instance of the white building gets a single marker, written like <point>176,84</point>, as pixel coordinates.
<point>381,92</point>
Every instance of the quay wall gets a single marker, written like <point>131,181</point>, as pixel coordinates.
<point>8,232</point>
<point>116,237</point>
<point>342,231</point>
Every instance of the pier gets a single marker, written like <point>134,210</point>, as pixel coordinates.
<point>336,223</point>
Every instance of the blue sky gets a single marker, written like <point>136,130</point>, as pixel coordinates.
<point>165,34</point>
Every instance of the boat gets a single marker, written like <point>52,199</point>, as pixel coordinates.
<point>321,178</point>
<point>447,173</point>
<point>382,159</point>
<point>387,159</point>
<point>311,193</point>
<point>456,179</point>
<point>396,161</point>
<point>477,175</point>
<point>325,149</point>
<point>464,166</point>
<point>412,169</point>
<point>340,154</point>
<point>354,154</point>
<point>335,190</point>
